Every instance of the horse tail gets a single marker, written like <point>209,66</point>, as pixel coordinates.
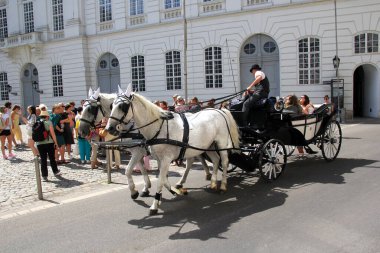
<point>233,130</point>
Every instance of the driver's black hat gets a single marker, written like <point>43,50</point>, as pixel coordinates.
<point>255,66</point>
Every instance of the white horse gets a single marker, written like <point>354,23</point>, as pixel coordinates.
<point>207,128</point>
<point>97,106</point>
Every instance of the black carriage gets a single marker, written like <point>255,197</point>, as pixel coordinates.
<point>273,133</point>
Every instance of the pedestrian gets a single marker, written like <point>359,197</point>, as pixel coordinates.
<point>164,105</point>
<point>56,118</point>
<point>16,130</point>
<point>84,145</point>
<point>47,146</point>
<point>112,153</point>
<point>6,133</point>
<point>8,105</point>
<point>68,129</point>
<point>32,118</point>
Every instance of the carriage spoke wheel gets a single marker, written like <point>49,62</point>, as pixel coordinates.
<point>331,141</point>
<point>272,160</point>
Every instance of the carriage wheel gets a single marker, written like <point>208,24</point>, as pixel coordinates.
<point>331,141</point>
<point>272,160</point>
<point>289,150</point>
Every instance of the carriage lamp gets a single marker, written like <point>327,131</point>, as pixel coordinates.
<point>36,87</point>
<point>336,62</point>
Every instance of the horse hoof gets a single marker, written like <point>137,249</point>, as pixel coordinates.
<point>184,191</point>
<point>208,177</point>
<point>135,195</point>
<point>144,194</point>
<point>153,211</point>
<point>178,186</point>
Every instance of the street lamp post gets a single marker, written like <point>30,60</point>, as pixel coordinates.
<point>184,47</point>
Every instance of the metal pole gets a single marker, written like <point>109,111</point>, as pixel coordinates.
<point>38,178</point>
<point>185,48</point>
<point>108,159</point>
<point>336,39</point>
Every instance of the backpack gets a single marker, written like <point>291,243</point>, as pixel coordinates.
<point>39,132</point>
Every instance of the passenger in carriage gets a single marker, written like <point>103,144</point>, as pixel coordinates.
<point>257,90</point>
<point>194,105</point>
<point>292,105</point>
<point>164,105</point>
<point>181,107</point>
<point>307,106</point>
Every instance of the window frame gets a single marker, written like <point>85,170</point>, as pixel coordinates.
<point>215,76</point>
<point>365,42</point>
<point>172,4</point>
<point>134,7</point>
<point>176,80</point>
<point>138,84</point>
<point>105,11</point>
<point>4,93</point>
<point>57,15</point>
<point>57,80</point>
<point>310,56</point>
<point>4,23</point>
<point>28,9</point>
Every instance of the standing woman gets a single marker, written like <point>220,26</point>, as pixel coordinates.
<point>32,118</point>
<point>68,129</point>
<point>46,148</point>
<point>16,130</point>
<point>6,133</point>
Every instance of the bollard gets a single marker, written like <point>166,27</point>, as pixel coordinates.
<point>108,159</point>
<point>38,178</point>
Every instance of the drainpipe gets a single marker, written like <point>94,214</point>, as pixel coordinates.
<point>336,38</point>
<point>185,48</point>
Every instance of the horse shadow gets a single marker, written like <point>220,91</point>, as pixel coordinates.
<point>210,215</point>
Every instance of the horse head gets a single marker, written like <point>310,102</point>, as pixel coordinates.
<point>90,113</point>
<point>120,111</point>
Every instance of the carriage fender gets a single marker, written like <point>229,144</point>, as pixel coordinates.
<point>290,136</point>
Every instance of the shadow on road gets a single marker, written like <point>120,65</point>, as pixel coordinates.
<point>204,215</point>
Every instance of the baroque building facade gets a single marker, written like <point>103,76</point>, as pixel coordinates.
<point>55,50</point>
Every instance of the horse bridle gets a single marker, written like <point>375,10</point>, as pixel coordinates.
<point>94,109</point>
<point>126,103</point>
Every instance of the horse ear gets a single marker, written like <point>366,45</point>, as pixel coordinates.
<point>90,92</point>
<point>120,91</point>
<point>128,91</point>
<point>96,93</point>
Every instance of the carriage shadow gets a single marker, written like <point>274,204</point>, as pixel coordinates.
<point>204,215</point>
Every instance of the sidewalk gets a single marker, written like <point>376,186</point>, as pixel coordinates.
<point>18,187</point>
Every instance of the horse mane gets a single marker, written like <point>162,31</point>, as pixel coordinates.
<point>152,110</point>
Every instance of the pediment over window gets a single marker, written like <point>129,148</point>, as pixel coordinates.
<point>3,3</point>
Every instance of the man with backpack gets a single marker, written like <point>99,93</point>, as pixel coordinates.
<point>44,136</point>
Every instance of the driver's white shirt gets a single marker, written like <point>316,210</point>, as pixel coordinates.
<point>259,73</point>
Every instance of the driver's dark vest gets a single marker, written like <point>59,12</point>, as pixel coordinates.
<point>262,88</point>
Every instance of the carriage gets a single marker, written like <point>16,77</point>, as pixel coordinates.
<point>274,132</point>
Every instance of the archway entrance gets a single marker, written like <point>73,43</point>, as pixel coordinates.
<point>29,76</point>
<point>108,73</point>
<point>263,50</point>
<point>366,91</point>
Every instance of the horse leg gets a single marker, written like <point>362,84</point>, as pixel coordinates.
<point>137,155</point>
<point>205,167</point>
<point>179,184</point>
<point>215,165</point>
<point>224,161</point>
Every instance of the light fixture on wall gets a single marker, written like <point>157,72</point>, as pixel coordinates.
<point>36,87</point>
<point>336,62</point>
<point>9,90</point>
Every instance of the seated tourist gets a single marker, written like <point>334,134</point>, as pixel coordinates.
<point>292,105</point>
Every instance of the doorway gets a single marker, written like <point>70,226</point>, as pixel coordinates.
<point>263,50</point>
<point>366,92</point>
<point>29,78</point>
<point>108,73</point>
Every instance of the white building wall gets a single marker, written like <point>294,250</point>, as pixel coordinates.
<point>285,21</point>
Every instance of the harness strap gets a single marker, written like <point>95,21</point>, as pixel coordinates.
<point>185,137</point>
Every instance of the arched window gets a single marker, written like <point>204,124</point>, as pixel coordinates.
<point>173,70</point>
<point>105,9</point>
<point>138,73</point>
<point>213,67</point>
<point>57,81</point>
<point>309,61</point>
<point>366,43</point>
<point>4,86</point>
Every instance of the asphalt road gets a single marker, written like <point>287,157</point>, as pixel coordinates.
<point>314,207</point>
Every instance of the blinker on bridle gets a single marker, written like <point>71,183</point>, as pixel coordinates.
<point>124,103</point>
<point>93,110</point>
